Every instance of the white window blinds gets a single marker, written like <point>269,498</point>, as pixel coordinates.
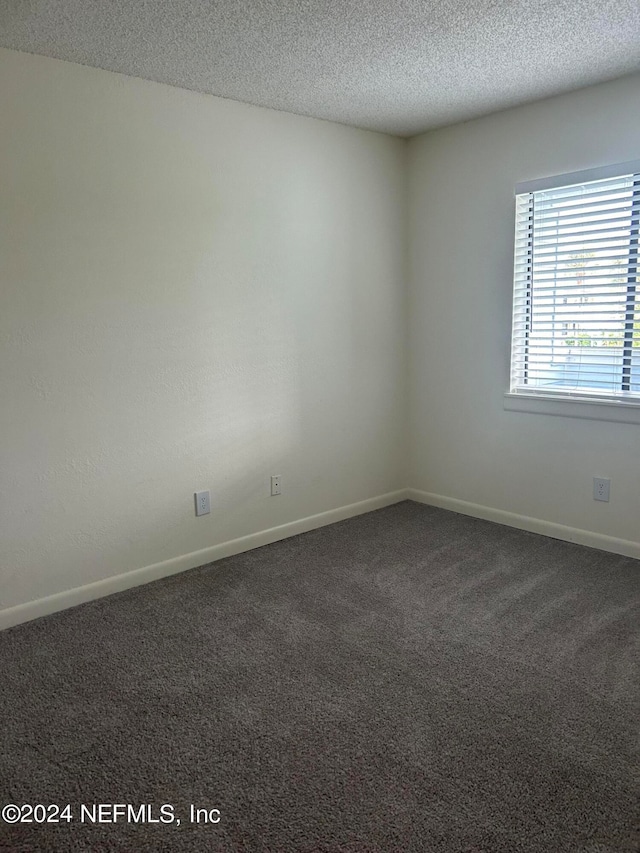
<point>576,313</point>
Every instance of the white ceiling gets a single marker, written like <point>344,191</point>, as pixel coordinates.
<point>400,66</point>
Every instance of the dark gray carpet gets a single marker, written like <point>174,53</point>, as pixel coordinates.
<point>409,680</point>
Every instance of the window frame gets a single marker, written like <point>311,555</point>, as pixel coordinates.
<point>581,403</point>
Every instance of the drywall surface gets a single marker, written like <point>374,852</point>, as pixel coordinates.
<point>463,444</point>
<point>194,294</point>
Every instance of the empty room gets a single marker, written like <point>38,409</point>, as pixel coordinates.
<point>319,426</point>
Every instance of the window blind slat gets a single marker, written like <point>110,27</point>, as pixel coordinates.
<point>618,188</point>
<point>605,219</point>
<point>545,274</point>
<point>586,211</point>
<point>570,291</point>
<point>566,231</point>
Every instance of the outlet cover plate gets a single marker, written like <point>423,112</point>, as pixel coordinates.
<point>203,502</point>
<point>601,489</point>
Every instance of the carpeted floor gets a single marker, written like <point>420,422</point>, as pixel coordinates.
<point>409,680</point>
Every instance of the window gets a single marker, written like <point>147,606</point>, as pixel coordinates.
<point>576,313</point>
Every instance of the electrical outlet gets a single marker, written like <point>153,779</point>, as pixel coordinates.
<point>601,488</point>
<point>276,485</point>
<point>203,502</point>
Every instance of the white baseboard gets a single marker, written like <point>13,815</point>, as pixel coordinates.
<point>69,598</point>
<point>625,547</point>
<point>118,583</point>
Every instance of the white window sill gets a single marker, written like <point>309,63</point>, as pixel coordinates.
<point>574,407</point>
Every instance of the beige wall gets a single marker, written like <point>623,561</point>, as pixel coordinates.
<point>195,294</point>
<point>463,444</point>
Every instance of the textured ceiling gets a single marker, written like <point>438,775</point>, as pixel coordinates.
<point>401,66</point>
